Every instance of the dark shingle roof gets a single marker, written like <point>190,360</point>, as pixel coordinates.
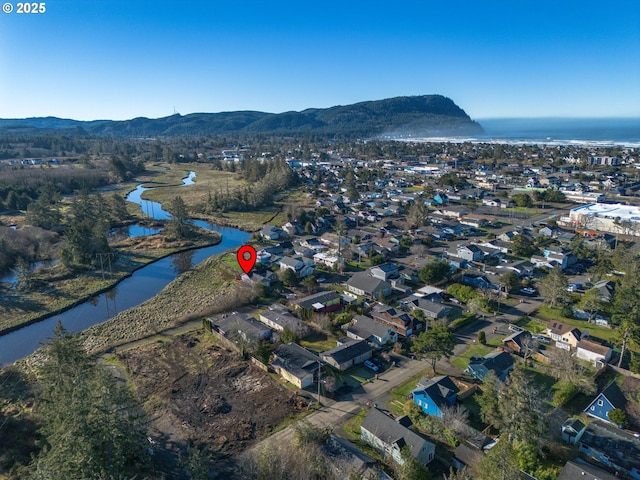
<point>391,432</point>
<point>347,351</point>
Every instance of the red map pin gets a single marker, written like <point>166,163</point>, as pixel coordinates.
<point>247,258</point>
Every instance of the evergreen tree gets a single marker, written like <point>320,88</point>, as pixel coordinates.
<point>92,425</point>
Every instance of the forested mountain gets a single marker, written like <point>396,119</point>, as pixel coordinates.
<point>401,116</point>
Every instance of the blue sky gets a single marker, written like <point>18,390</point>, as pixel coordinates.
<point>97,59</point>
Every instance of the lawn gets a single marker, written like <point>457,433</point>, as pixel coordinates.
<point>319,341</point>
<point>474,350</point>
<point>531,324</point>
<point>352,426</point>
<point>403,390</point>
<point>546,312</point>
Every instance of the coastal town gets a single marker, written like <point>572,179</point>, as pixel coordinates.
<point>434,310</point>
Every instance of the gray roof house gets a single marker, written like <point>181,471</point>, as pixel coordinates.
<point>271,232</point>
<point>366,328</point>
<point>328,301</point>
<point>390,437</point>
<point>278,318</point>
<point>348,354</point>
<point>497,361</point>
<point>364,284</point>
<point>431,309</point>
<point>295,364</point>
<point>240,328</point>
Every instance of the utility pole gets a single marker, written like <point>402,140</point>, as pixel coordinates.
<point>319,381</point>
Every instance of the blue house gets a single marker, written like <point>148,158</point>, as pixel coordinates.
<point>611,397</point>
<point>432,394</point>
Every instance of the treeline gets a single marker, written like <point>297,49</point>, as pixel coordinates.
<point>264,181</point>
<point>21,186</point>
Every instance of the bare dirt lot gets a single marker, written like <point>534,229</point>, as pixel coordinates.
<point>200,393</point>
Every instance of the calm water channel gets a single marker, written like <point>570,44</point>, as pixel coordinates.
<point>141,286</point>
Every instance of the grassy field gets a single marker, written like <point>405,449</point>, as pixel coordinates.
<point>207,181</point>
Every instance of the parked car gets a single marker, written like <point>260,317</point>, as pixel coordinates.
<point>574,287</point>
<point>515,328</point>
<point>528,291</point>
<point>541,338</point>
<point>371,366</point>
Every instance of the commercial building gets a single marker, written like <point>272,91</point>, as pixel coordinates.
<point>606,217</point>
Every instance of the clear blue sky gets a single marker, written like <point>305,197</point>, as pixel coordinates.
<point>113,59</point>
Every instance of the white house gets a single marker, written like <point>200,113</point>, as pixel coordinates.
<point>593,352</point>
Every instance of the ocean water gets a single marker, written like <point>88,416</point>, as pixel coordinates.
<point>596,132</point>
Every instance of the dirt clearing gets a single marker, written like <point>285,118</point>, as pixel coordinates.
<point>200,393</point>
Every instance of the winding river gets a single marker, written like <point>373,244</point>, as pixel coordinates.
<point>142,285</point>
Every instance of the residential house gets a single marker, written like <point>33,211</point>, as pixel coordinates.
<point>508,236</point>
<point>565,336</point>
<point>365,284</point>
<point>519,343</point>
<point>470,252</point>
<point>302,267</point>
<point>478,279</point>
<point>265,277</point>
<point>612,447</point>
<point>522,267</point>
<point>611,397</point>
<point>241,328</point>
<point>296,364</point>
<point>347,459</point>
<point>386,271</point>
<point>494,202</point>
<point>430,293</point>
<point>398,320</point>
<point>580,470</point>
<point>292,229</point>
<point>321,302</point>
<point>475,221</point>
<point>606,289</point>
<point>348,354</point>
<point>593,352</point>
<point>277,317</point>
<point>271,232</point>
<point>430,308</point>
<point>498,362</point>
<point>329,259</point>
<point>366,328</point>
<point>390,438</point>
<point>434,394</point>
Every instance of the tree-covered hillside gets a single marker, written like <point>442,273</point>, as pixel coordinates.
<point>417,116</point>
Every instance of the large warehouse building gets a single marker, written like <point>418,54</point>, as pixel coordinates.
<point>608,218</point>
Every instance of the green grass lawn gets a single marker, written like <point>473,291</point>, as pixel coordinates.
<point>546,312</point>
<point>319,341</point>
<point>474,349</point>
<point>352,426</point>
<point>401,392</point>
<point>531,324</point>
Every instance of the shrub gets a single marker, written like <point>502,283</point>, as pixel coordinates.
<point>564,393</point>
